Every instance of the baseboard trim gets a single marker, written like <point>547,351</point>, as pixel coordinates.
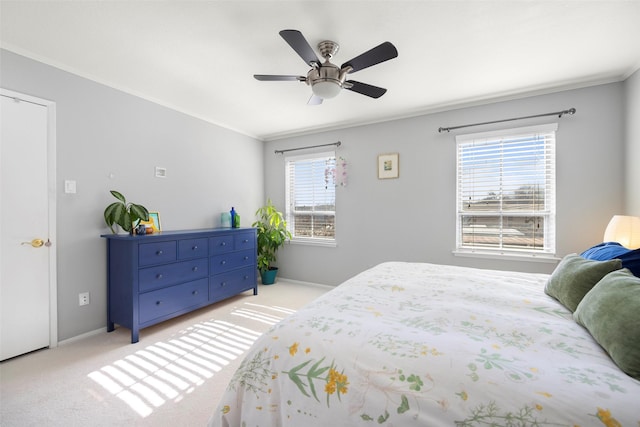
<point>300,282</point>
<point>82,336</point>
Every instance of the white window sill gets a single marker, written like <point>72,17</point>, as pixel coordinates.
<point>313,242</point>
<point>513,256</point>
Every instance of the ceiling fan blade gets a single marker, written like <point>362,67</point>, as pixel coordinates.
<point>365,89</point>
<point>382,52</point>
<point>314,100</point>
<point>297,41</point>
<point>274,78</point>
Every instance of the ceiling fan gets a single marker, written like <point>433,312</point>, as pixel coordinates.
<point>326,79</point>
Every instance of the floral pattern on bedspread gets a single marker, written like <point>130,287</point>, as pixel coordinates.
<point>423,344</point>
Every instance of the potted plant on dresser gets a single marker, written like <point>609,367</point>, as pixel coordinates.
<point>272,234</point>
<point>126,215</point>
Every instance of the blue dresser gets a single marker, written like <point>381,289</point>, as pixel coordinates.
<point>156,277</point>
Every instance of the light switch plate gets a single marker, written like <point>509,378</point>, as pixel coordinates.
<point>70,186</point>
<point>161,172</point>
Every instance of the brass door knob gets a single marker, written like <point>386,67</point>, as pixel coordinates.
<point>36,243</point>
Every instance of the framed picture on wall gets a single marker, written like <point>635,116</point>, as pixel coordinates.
<point>388,166</point>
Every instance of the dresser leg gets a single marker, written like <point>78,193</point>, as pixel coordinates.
<point>134,335</point>
<point>110,327</point>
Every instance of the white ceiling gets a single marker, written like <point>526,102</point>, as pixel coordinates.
<point>199,57</point>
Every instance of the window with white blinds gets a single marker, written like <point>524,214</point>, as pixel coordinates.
<point>311,197</point>
<point>506,191</point>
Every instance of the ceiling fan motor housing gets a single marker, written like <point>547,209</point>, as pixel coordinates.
<point>327,80</point>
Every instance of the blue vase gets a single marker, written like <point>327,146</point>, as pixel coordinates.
<point>232,214</point>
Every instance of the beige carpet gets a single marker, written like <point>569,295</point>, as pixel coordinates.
<point>174,376</point>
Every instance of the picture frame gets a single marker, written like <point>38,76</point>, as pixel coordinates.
<point>388,166</point>
<point>154,221</point>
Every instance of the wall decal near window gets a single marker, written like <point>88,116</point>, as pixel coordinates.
<point>341,172</point>
<point>330,173</point>
<point>388,166</point>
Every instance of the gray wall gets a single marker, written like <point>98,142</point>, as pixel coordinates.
<point>110,140</point>
<point>632,137</point>
<point>413,218</point>
<point>106,140</point>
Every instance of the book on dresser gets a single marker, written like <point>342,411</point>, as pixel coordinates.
<point>155,277</point>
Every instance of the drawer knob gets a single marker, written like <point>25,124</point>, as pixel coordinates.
<point>223,284</point>
<point>195,268</point>
<point>223,262</point>
<point>158,276</point>
<point>158,302</point>
<point>195,248</point>
<point>246,258</point>
<point>159,253</point>
<point>194,293</point>
<point>223,244</point>
<point>246,241</point>
<point>246,277</point>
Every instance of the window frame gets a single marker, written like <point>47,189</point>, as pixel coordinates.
<point>548,250</point>
<point>289,215</point>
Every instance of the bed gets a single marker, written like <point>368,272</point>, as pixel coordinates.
<point>432,345</point>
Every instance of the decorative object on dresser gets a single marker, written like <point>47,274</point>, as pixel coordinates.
<point>272,234</point>
<point>153,278</point>
<point>153,223</point>
<point>126,215</point>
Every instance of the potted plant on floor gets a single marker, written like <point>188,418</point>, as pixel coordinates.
<point>272,234</point>
<point>126,215</point>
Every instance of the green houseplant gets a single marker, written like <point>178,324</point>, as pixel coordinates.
<point>272,234</point>
<point>126,215</point>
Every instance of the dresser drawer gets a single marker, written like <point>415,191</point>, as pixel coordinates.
<point>173,299</point>
<point>156,253</point>
<point>221,244</point>
<point>231,261</point>
<point>224,285</point>
<point>161,276</point>
<point>193,248</point>
<point>244,241</point>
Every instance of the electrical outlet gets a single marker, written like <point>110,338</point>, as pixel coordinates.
<point>83,298</point>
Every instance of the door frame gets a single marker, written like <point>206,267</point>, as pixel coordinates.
<point>51,214</point>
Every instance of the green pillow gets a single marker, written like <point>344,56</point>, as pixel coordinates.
<point>575,276</point>
<point>611,313</point>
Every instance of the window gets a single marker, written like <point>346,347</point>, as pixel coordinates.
<point>311,197</point>
<point>506,191</point>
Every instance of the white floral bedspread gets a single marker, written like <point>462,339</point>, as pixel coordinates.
<point>413,344</point>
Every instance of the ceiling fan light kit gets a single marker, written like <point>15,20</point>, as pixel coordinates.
<point>326,79</point>
<point>326,89</point>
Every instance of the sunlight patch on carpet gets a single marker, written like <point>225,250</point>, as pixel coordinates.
<point>168,370</point>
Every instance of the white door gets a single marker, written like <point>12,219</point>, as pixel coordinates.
<point>27,297</point>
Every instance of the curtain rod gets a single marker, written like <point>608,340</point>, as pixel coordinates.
<point>570,111</point>
<point>337,144</point>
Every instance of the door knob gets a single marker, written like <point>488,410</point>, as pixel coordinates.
<point>36,243</point>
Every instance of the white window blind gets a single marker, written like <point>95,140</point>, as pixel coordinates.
<point>506,191</point>
<point>311,196</point>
